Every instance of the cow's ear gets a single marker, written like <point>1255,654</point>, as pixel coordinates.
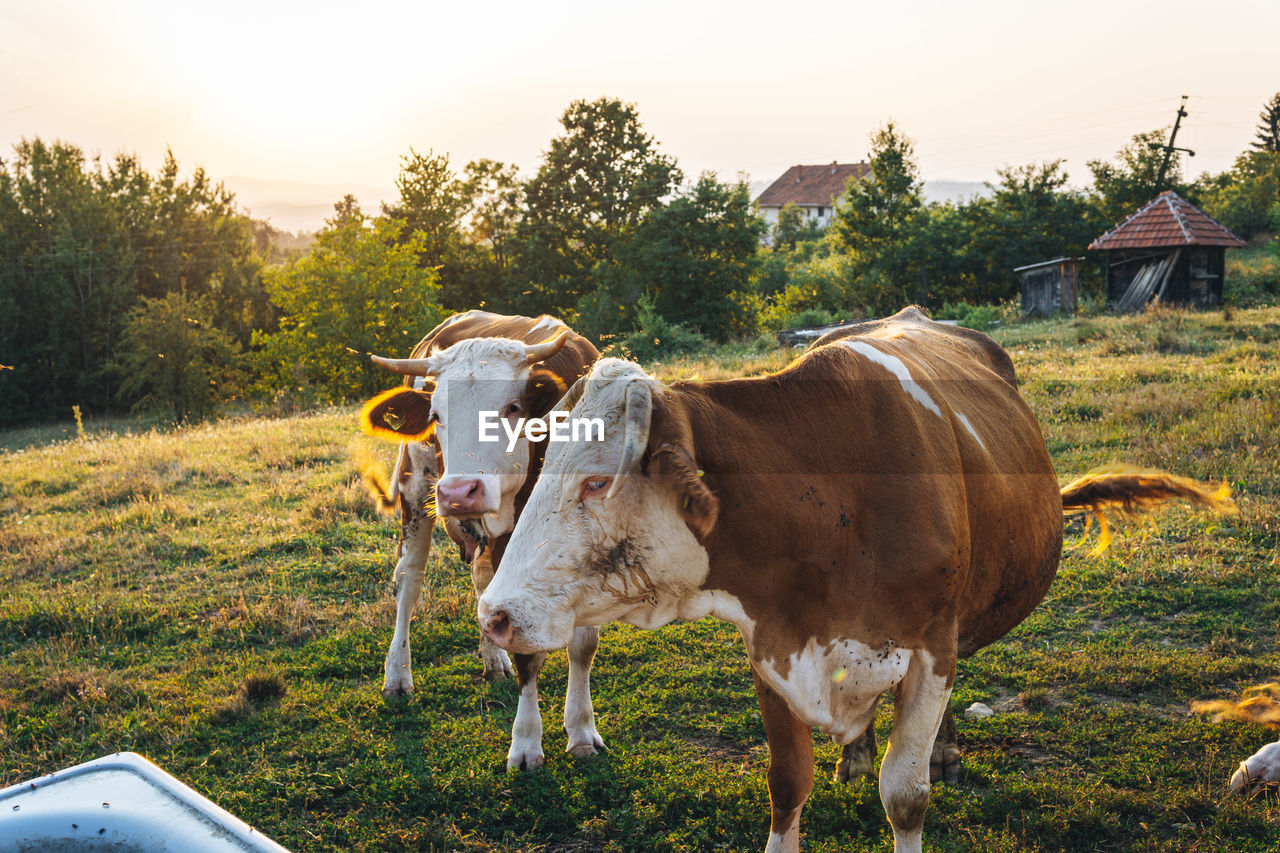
<point>401,414</point>
<point>669,460</point>
<point>544,390</point>
<point>697,503</point>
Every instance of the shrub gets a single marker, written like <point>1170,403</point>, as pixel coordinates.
<point>1253,283</point>
<point>657,338</point>
<point>172,358</point>
<point>980,317</point>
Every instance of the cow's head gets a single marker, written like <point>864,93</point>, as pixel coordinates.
<point>613,529</point>
<point>479,479</point>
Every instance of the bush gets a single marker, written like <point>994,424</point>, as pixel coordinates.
<point>656,338</point>
<point>172,358</point>
<point>810,317</point>
<point>980,317</point>
<point>1253,282</point>
<point>360,290</point>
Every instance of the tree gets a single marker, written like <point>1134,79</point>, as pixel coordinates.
<point>360,290</point>
<point>1124,186</point>
<point>692,260</point>
<point>174,359</point>
<point>430,211</point>
<point>794,227</point>
<point>597,182</point>
<point>876,223</point>
<point>83,243</point>
<point>968,252</point>
<point>494,198</point>
<point>1242,198</point>
<point>431,203</point>
<point>1268,138</point>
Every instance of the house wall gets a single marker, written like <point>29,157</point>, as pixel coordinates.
<point>822,215</point>
<point>1049,290</point>
<point>1196,279</point>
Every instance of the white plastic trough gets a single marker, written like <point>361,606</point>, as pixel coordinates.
<point>120,802</point>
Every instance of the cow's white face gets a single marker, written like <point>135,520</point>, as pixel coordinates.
<point>596,542</point>
<point>478,478</point>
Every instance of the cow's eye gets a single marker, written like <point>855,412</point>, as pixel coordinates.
<point>513,408</point>
<point>433,418</point>
<point>594,487</point>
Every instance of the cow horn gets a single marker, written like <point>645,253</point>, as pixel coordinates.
<point>636,414</point>
<point>546,349</point>
<point>405,366</point>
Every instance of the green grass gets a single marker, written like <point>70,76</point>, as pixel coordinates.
<point>215,598</point>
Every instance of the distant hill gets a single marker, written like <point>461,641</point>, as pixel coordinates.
<point>297,206</point>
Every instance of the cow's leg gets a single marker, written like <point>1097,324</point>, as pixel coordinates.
<point>497,665</point>
<point>406,579</point>
<point>579,716</point>
<point>526,732</point>
<point>945,762</point>
<point>790,769</point>
<point>904,774</point>
<point>858,758</point>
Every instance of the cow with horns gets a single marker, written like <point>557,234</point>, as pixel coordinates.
<point>877,510</point>
<point>472,363</point>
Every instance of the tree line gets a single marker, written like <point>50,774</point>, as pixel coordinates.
<point>122,289</point>
<point>885,247</point>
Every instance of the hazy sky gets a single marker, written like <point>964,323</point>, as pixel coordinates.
<point>330,93</point>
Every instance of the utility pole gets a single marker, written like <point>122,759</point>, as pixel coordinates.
<point>1170,147</point>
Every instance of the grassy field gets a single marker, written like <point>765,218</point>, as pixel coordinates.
<point>216,598</point>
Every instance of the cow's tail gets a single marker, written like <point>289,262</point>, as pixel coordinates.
<point>1259,705</point>
<point>1128,493</point>
<point>384,491</point>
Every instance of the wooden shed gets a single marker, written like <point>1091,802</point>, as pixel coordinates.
<point>1050,286</point>
<point>1168,251</point>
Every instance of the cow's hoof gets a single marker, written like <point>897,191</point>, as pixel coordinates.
<point>525,761</point>
<point>945,765</point>
<point>497,667</point>
<point>392,688</point>
<point>498,673</point>
<point>586,748</point>
<point>849,771</point>
<point>858,758</point>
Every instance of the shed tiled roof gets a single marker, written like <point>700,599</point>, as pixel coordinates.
<point>812,185</point>
<point>1169,220</point>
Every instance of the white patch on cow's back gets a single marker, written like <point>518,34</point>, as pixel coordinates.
<point>833,687</point>
<point>473,314</point>
<point>973,432</point>
<point>547,322</point>
<point>894,365</point>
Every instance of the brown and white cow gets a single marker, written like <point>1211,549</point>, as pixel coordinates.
<point>469,364</point>
<point>868,515</point>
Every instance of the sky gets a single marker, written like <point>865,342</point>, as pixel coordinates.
<point>336,93</point>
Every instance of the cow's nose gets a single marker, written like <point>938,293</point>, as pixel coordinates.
<point>498,629</point>
<point>459,496</point>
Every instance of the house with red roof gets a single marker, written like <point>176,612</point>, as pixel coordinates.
<point>814,189</point>
<point>1168,251</point>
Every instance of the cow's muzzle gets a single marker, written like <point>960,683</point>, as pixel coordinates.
<point>497,627</point>
<point>464,496</point>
